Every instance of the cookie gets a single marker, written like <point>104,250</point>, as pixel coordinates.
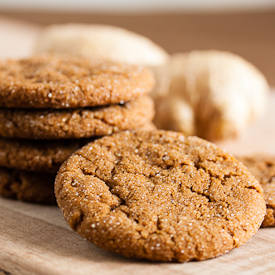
<point>37,155</point>
<point>159,196</point>
<point>75,123</point>
<point>109,42</point>
<point>27,186</point>
<point>69,82</point>
<point>263,168</point>
<point>42,155</point>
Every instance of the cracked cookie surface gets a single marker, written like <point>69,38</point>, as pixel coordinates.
<point>263,169</point>
<point>159,196</point>
<point>27,186</point>
<point>76,123</point>
<point>50,81</point>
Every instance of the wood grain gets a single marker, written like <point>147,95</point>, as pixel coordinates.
<point>36,240</point>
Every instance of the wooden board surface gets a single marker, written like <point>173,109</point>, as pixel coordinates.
<point>35,239</point>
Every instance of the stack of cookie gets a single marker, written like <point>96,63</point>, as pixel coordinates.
<point>53,105</point>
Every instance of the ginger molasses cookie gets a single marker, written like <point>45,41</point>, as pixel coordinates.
<point>75,123</point>
<point>263,168</point>
<point>69,82</point>
<point>159,196</point>
<point>37,155</point>
<point>27,186</point>
<point>42,155</point>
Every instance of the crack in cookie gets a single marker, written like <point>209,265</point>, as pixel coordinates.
<point>159,196</point>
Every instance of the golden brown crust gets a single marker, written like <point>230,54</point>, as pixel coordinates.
<point>263,168</point>
<point>27,186</point>
<point>49,81</point>
<point>75,123</point>
<point>159,196</point>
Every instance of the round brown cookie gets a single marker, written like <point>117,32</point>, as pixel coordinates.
<point>27,186</point>
<point>263,168</point>
<point>37,155</point>
<point>42,155</point>
<point>159,196</point>
<point>50,81</point>
<point>75,123</point>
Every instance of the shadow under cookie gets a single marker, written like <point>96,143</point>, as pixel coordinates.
<point>27,186</point>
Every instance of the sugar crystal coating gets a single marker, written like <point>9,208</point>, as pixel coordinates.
<point>50,81</point>
<point>159,196</point>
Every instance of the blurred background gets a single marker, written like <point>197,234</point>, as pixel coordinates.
<point>244,27</point>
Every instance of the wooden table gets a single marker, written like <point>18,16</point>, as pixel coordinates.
<point>35,239</point>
